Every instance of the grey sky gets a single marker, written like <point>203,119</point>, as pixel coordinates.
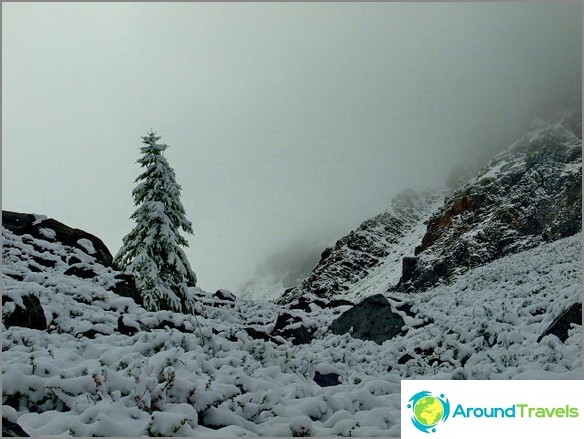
<point>285,121</point>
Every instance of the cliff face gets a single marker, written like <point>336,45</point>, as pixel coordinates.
<point>527,195</point>
<point>369,258</point>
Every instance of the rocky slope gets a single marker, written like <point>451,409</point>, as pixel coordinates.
<point>529,194</point>
<point>80,359</point>
<point>369,259</point>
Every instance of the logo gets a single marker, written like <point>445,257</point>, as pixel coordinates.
<point>428,410</point>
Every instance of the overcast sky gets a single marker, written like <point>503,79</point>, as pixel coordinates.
<point>286,121</point>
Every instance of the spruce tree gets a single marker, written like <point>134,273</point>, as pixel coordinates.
<point>152,250</point>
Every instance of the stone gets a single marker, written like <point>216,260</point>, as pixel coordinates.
<point>223,294</point>
<point>326,379</point>
<point>404,359</point>
<point>560,326</point>
<point>31,316</point>
<point>373,319</point>
<point>23,224</point>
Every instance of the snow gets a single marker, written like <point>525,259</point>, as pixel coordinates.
<point>38,218</point>
<point>47,233</point>
<point>389,272</point>
<point>87,245</point>
<point>216,380</point>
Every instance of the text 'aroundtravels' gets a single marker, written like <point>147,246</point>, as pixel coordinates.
<point>516,411</point>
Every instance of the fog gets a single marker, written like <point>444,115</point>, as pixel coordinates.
<point>288,123</point>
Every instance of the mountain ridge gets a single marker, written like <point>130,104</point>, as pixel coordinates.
<point>527,194</point>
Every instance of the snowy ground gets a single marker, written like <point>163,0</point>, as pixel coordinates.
<point>210,378</point>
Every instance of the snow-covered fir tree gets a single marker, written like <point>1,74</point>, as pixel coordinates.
<point>152,250</point>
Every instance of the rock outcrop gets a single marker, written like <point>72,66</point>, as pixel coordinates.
<point>529,194</point>
<point>357,257</point>
<point>372,319</point>
<point>52,230</point>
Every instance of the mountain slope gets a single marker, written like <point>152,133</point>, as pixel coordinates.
<point>368,260</point>
<point>103,365</point>
<point>529,194</point>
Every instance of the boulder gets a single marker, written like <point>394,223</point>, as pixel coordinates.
<point>326,379</point>
<point>372,319</point>
<point>31,316</point>
<point>223,294</point>
<point>560,326</point>
<point>24,224</point>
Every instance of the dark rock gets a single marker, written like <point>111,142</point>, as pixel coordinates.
<point>125,329</point>
<point>561,325</point>
<point>15,276</point>
<point>259,335</point>
<point>338,302</point>
<point>49,263</point>
<point>404,359</point>
<point>424,352</point>
<point>31,316</point>
<point>303,303</point>
<point>326,379</point>
<point>73,260</point>
<point>82,271</point>
<point>372,319</point>
<point>225,295</point>
<point>34,268</point>
<point>126,286</point>
<point>298,335</point>
<point>408,267</point>
<point>14,220</point>
<point>11,429</point>
<point>22,224</point>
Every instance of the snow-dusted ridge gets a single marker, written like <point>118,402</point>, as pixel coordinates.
<point>369,259</point>
<point>83,376</point>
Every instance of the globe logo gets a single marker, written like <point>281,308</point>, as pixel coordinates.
<point>428,410</point>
